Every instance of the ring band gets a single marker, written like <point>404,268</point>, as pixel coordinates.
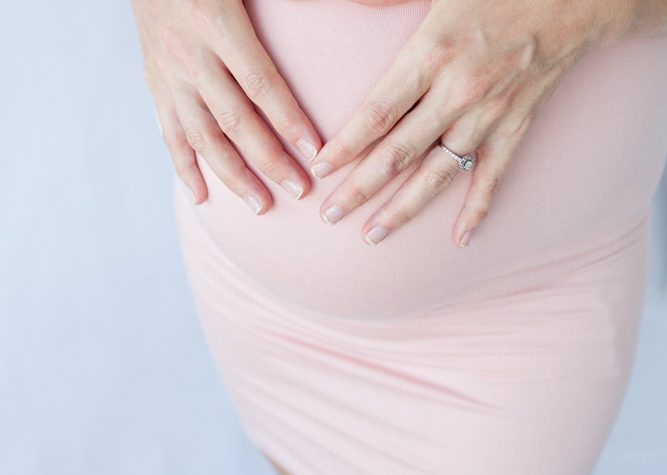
<point>465,163</point>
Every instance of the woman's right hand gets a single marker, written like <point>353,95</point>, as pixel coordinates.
<point>205,68</point>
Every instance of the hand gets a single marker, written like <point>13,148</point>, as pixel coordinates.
<point>206,67</point>
<point>473,75</point>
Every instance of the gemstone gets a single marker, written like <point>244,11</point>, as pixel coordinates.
<point>467,162</point>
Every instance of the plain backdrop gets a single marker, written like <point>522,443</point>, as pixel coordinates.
<point>103,369</point>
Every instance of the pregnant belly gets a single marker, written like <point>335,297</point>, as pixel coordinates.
<point>577,187</point>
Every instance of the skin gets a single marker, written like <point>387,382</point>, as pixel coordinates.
<point>279,470</point>
<point>474,76</point>
<point>207,72</point>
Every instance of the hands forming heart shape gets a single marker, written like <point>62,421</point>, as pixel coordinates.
<point>472,76</point>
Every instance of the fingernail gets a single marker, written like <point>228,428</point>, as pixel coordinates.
<point>465,239</point>
<point>322,169</point>
<point>332,214</point>
<point>253,203</point>
<point>375,235</point>
<point>306,148</point>
<point>292,187</point>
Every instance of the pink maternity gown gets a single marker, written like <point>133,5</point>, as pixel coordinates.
<point>416,357</point>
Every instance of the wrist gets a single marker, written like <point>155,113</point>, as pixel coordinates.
<point>622,20</point>
<point>643,17</point>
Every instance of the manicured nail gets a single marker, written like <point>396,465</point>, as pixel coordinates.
<point>293,188</point>
<point>306,148</point>
<point>253,203</point>
<point>375,235</point>
<point>465,239</point>
<point>332,214</point>
<point>322,169</point>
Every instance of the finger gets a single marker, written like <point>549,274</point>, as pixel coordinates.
<point>235,41</point>
<point>398,90</point>
<point>242,125</point>
<point>405,144</point>
<point>495,154</point>
<point>496,151</point>
<point>182,155</point>
<point>207,140</point>
<point>435,173</point>
<point>427,62</point>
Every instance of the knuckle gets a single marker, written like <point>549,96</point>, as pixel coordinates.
<point>397,157</point>
<point>379,116</point>
<point>269,165</point>
<point>357,195</point>
<point>200,10</point>
<point>230,178</point>
<point>398,215</point>
<point>175,141</point>
<point>483,211</point>
<point>480,211</point>
<point>256,84</point>
<point>438,179</point>
<point>523,126</point>
<point>285,122</point>
<point>230,172</point>
<point>175,44</point>
<point>472,91</point>
<point>446,46</point>
<point>196,138</point>
<point>196,65</point>
<point>236,170</point>
<point>529,54</point>
<point>230,181</point>
<point>209,16</point>
<point>344,149</point>
<point>424,77</point>
<point>440,52</point>
<point>500,105</point>
<point>229,121</point>
<point>491,185</point>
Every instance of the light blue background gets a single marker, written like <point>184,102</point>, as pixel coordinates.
<point>103,369</point>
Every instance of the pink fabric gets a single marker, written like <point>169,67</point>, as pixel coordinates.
<point>510,356</point>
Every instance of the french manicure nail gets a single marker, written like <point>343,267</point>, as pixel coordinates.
<point>306,148</point>
<point>332,214</point>
<point>293,188</point>
<point>465,239</point>
<point>375,235</point>
<point>322,169</point>
<point>253,203</point>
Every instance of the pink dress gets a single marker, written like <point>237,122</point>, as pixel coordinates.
<point>508,357</point>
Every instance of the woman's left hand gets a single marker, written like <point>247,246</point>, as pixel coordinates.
<point>473,76</point>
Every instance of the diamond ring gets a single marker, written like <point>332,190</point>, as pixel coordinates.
<point>465,163</point>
